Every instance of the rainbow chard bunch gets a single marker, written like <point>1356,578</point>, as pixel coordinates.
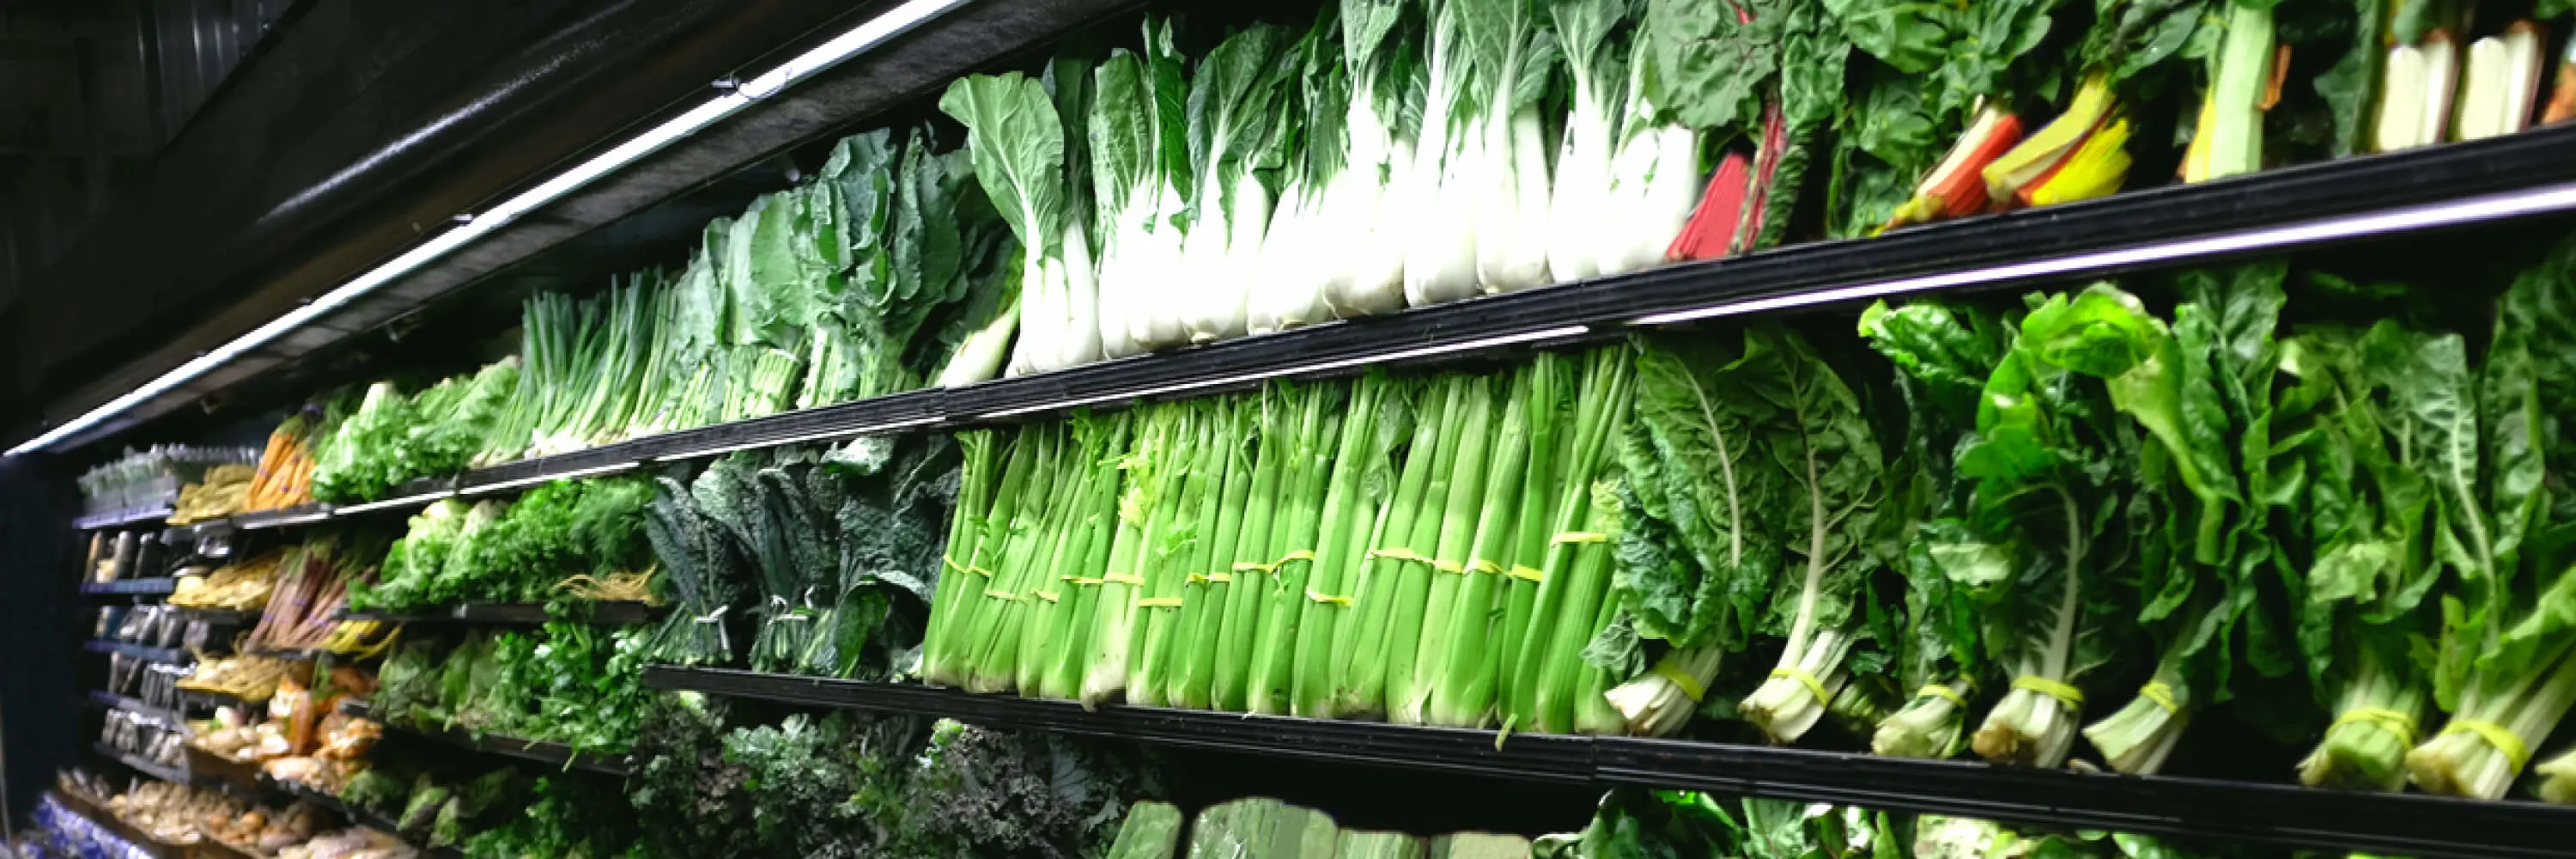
<point>2507,529</point>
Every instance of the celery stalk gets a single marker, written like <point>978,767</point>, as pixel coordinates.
<point>1196,639</point>
<point>1552,452</point>
<point>1078,586</point>
<point>1156,576</point>
<point>1240,615</point>
<point>1446,521</point>
<point>1563,607</point>
<point>1360,653</point>
<point>1319,413</point>
<point>958,587</point>
<point>1362,478</point>
<point>1114,621</point>
<point>1459,659</point>
<point>1201,493</point>
<point>1001,623</point>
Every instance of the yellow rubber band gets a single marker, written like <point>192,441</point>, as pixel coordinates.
<point>1805,679</point>
<point>951,563</point>
<point>1580,537</point>
<point>1159,602</point>
<point>2162,694</point>
<point>1681,680</point>
<point>2499,736</point>
<point>1486,567</point>
<point>1448,567</point>
<point>1080,580</point>
<point>1123,579</point>
<point>1005,595</point>
<point>1398,553</point>
<point>1196,579</point>
<point>1527,574</point>
<point>2397,724</point>
<point>980,571</point>
<point>1299,555</point>
<point>1250,567</point>
<point>1049,596</point>
<point>1220,577</point>
<point>1943,690</point>
<point>2067,695</point>
<point>1328,598</point>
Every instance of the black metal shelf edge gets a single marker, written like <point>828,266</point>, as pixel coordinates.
<point>115,701</point>
<point>2403,824</point>
<point>2285,815</point>
<point>117,518</point>
<point>131,587</point>
<point>541,751</point>
<point>1530,757</point>
<point>138,651</point>
<point>173,775</point>
<point>510,614</point>
<point>301,514</point>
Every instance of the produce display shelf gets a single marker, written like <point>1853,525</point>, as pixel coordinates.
<point>115,701</point>
<point>128,516</point>
<point>142,842</point>
<point>137,763</point>
<point>302,514</point>
<point>2276,814</point>
<point>552,754</point>
<point>223,616</point>
<point>1455,750</point>
<point>510,614</point>
<point>131,587</point>
<point>356,815</point>
<point>138,651</point>
<point>219,699</point>
<point>2293,208</point>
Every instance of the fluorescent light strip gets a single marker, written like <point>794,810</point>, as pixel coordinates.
<point>2534,201</point>
<point>575,474</point>
<point>866,35</point>
<point>1318,367</point>
<point>879,429</point>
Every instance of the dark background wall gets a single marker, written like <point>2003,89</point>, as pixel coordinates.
<point>41,613</point>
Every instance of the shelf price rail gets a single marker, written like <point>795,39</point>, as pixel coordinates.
<point>2282,815</point>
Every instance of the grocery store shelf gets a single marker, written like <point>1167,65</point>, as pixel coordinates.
<point>128,516</point>
<point>171,774</point>
<point>115,701</point>
<point>138,651</point>
<point>356,815</point>
<point>301,514</point>
<point>2309,206</point>
<point>2280,815</point>
<point>1472,752</point>
<point>509,614</point>
<point>131,587</point>
<point>552,754</point>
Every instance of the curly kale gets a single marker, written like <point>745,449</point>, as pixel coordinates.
<point>977,792</point>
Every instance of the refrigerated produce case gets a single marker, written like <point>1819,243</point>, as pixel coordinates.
<point>2230,290</point>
